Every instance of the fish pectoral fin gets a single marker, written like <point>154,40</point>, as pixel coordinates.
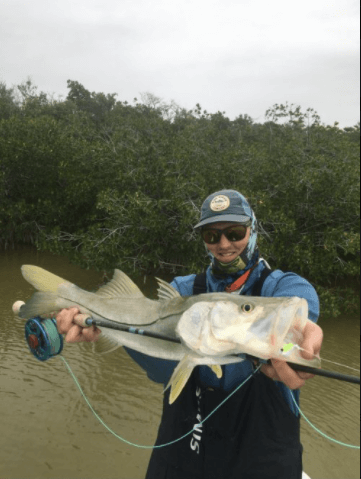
<point>216,368</point>
<point>179,378</point>
<point>120,285</point>
<point>105,344</point>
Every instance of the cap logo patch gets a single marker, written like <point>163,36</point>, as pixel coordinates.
<point>220,203</point>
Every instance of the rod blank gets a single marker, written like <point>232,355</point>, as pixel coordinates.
<point>151,334</point>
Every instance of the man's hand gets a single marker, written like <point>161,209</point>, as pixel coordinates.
<point>280,371</point>
<point>74,333</point>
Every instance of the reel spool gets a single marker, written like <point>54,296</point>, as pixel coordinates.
<point>43,338</point>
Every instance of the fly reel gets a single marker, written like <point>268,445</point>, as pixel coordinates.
<point>43,338</point>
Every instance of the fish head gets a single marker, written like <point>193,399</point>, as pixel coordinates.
<point>230,321</point>
<point>194,329</point>
<point>259,325</point>
<point>241,324</point>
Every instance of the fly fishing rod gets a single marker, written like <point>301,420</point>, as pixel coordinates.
<point>88,321</point>
<point>44,341</point>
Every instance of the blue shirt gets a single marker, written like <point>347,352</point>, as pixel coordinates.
<point>277,283</point>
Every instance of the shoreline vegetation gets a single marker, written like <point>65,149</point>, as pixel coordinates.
<point>116,185</point>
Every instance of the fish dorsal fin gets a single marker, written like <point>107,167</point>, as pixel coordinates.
<point>166,291</point>
<point>180,376</point>
<point>41,279</point>
<point>120,285</point>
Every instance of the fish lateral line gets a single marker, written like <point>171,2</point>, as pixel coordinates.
<point>294,366</point>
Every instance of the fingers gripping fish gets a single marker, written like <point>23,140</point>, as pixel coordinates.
<point>213,328</point>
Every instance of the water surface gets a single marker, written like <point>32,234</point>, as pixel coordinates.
<point>48,431</point>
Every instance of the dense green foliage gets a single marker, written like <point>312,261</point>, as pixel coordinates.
<point>117,185</point>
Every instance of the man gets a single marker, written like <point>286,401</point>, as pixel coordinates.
<point>255,434</point>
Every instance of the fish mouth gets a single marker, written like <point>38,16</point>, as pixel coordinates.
<point>291,319</point>
<point>298,308</point>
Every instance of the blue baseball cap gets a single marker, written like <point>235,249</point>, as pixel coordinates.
<point>225,205</point>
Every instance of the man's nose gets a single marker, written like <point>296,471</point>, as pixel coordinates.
<point>224,242</point>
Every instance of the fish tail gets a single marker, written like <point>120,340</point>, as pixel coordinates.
<point>41,279</point>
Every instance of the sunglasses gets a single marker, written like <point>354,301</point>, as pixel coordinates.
<point>232,233</point>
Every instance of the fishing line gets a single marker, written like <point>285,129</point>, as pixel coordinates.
<point>340,364</point>
<point>322,433</point>
<point>140,446</point>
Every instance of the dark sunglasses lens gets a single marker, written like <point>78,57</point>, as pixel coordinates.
<point>233,233</point>
<point>236,233</point>
<point>211,236</point>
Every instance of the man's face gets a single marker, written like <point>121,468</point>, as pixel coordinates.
<point>226,251</point>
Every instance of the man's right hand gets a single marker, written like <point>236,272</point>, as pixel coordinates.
<point>74,333</point>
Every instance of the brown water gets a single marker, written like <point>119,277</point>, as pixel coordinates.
<point>48,431</point>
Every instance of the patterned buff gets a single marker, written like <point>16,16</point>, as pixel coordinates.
<point>249,256</point>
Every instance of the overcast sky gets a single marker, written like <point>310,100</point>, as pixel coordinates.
<point>237,56</point>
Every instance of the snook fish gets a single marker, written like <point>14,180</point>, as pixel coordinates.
<point>213,328</point>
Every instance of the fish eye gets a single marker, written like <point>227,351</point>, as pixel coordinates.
<point>247,308</point>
